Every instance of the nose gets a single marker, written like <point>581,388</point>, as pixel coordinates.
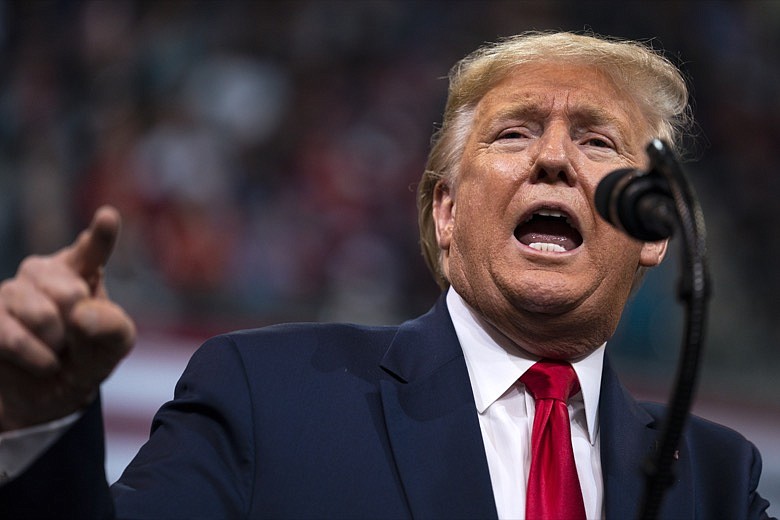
<point>552,161</point>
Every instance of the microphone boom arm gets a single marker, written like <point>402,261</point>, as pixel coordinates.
<point>693,291</point>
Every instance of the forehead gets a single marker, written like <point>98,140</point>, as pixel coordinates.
<point>584,93</point>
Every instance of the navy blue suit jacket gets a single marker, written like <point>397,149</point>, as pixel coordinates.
<point>344,421</point>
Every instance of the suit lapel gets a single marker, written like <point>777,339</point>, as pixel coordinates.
<point>629,436</point>
<point>435,437</point>
<point>432,421</point>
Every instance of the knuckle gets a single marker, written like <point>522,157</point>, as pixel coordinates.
<point>25,311</point>
<point>13,344</point>
<point>7,288</point>
<point>50,276</point>
<point>10,333</point>
<point>19,347</point>
<point>65,291</point>
<point>75,291</point>
<point>44,316</point>
<point>12,292</point>
<point>32,264</point>
<point>47,312</point>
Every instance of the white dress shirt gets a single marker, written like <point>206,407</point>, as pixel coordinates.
<point>20,448</point>
<point>506,411</point>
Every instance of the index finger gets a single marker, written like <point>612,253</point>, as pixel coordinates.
<point>94,245</point>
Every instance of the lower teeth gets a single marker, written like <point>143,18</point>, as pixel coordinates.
<point>547,248</point>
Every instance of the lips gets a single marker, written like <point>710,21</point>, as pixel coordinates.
<point>549,230</point>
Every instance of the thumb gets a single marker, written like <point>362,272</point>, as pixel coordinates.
<point>103,334</point>
<point>92,248</point>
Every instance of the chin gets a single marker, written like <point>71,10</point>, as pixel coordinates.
<point>544,293</point>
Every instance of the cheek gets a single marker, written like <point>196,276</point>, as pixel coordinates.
<point>482,209</point>
<point>483,203</point>
<point>618,253</point>
<point>507,172</point>
<point>474,234</point>
<point>496,172</point>
<point>469,228</point>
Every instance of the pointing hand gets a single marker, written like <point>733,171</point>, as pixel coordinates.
<point>60,335</point>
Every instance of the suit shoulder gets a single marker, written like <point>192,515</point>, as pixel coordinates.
<point>310,333</point>
<point>297,341</point>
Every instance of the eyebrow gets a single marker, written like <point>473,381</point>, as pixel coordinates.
<point>595,115</point>
<point>583,114</point>
<point>591,115</point>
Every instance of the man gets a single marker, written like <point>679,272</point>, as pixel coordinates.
<point>436,417</point>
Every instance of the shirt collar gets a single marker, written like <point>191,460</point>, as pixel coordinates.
<point>495,363</point>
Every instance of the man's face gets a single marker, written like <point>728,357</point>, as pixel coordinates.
<point>519,233</point>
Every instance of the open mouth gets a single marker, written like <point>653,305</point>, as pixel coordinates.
<point>550,231</point>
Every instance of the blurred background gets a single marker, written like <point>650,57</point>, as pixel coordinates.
<point>264,156</point>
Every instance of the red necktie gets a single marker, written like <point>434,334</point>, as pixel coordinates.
<point>554,491</point>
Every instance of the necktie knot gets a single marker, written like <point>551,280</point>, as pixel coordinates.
<point>549,379</point>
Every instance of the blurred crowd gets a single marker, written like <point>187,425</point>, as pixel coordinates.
<point>264,155</point>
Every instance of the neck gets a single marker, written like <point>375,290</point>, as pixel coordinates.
<point>564,336</point>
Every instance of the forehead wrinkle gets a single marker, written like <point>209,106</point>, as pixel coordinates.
<point>527,107</point>
<point>581,113</point>
<point>583,108</point>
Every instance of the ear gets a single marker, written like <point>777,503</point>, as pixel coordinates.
<point>443,214</point>
<point>652,253</point>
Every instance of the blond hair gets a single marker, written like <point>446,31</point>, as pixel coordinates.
<point>653,82</point>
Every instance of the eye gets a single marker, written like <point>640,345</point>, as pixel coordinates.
<point>512,133</point>
<point>598,142</point>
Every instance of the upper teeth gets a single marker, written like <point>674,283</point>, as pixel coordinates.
<point>551,213</point>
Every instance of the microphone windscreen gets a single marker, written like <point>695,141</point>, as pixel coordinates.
<point>605,191</point>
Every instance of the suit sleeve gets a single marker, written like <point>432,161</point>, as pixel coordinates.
<point>199,460</point>
<point>68,480</point>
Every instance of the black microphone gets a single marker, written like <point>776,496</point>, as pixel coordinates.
<point>638,203</point>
